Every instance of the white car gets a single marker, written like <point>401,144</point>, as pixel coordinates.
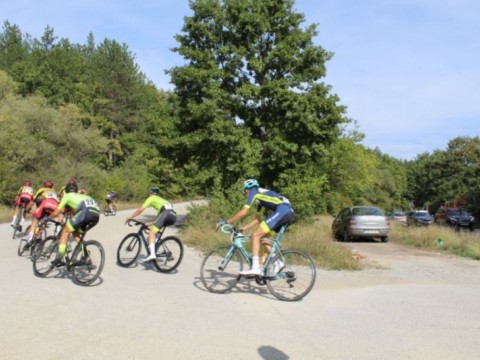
<point>361,222</point>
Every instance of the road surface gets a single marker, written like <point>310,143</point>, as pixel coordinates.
<point>409,304</point>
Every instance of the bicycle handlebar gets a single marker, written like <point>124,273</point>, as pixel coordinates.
<point>135,222</point>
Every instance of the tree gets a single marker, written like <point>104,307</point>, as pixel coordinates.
<point>250,96</point>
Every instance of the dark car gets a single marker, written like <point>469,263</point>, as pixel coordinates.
<point>419,218</point>
<point>361,222</point>
<point>398,216</point>
<point>454,217</point>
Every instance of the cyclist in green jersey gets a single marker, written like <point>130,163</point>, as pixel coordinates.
<point>86,214</point>
<point>166,216</point>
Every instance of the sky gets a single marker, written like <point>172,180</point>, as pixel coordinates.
<point>408,71</point>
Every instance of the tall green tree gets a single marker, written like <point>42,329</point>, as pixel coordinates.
<point>251,98</point>
<point>14,46</point>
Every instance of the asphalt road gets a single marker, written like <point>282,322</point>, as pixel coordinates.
<point>409,305</point>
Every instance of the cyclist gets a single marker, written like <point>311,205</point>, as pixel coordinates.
<point>24,196</point>
<point>281,213</point>
<point>86,214</point>
<point>111,199</point>
<point>165,216</point>
<point>47,204</point>
<point>40,194</point>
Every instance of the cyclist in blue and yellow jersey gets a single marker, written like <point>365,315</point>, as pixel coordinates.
<point>166,216</point>
<point>281,213</point>
<point>86,214</point>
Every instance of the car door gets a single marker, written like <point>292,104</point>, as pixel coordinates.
<point>338,223</point>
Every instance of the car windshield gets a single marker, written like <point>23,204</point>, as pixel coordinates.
<point>367,211</point>
<point>457,212</point>
<point>422,213</point>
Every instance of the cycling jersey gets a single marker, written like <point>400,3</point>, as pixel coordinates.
<point>265,198</point>
<point>42,193</point>
<point>75,200</point>
<point>157,203</point>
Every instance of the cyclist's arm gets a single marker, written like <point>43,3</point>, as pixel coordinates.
<point>239,215</point>
<point>136,213</point>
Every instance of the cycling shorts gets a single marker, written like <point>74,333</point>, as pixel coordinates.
<point>84,219</point>
<point>23,198</point>
<point>282,215</point>
<point>47,206</point>
<point>165,218</point>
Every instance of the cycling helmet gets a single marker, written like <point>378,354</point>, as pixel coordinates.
<point>250,184</point>
<point>28,183</point>
<point>48,184</point>
<point>154,190</point>
<point>71,187</point>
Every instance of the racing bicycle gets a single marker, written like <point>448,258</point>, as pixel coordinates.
<point>288,274</point>
<point>17,228</point>
<point>110,209</point>
<point>169,250</point>
<point>84,261</point>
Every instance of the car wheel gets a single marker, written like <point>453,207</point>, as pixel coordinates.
<point>385,239</point>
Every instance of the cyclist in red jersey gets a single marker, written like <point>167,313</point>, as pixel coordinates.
<point>48,202</point>
<point>24,196</point>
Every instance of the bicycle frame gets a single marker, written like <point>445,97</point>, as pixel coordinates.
<point>143,236</point>
<point>238,239</point>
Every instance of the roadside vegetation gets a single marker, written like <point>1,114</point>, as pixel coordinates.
<point>463,243</point>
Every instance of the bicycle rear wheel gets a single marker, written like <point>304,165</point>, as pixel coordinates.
<point>106,210</point>
<point>220,268</point>
<point>16,224</point>
<point>293,277</point>
<point>45,254</point>
<point>87,262</point>
<point>169,252</point>
<point>128,250</point>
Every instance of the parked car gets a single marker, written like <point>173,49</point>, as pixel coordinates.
<point>398,216</point>
<point>419,218</point>
<point>454,217</point>
<point>361,222</point>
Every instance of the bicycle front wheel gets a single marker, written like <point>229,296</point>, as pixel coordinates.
<point>21,246</point>
<point>87,262</point>
<point>291,276</point>
<point>44,255</point>
<point>128,250</point>
<point>113,211</point>
<point>220,268</point>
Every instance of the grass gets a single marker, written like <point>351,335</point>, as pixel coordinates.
<point>463,243</point>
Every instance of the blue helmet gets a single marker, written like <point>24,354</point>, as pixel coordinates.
<point>250,183</point>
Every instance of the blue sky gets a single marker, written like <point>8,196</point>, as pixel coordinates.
<point>408,70</point>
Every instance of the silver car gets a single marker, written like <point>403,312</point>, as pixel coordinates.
<point>361,222</point>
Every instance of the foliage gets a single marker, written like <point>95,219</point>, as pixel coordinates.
<point>250,99</point>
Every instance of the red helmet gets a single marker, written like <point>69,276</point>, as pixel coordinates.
<point>28,183</point>
<point>48,184</point>
<point>72,181</point>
